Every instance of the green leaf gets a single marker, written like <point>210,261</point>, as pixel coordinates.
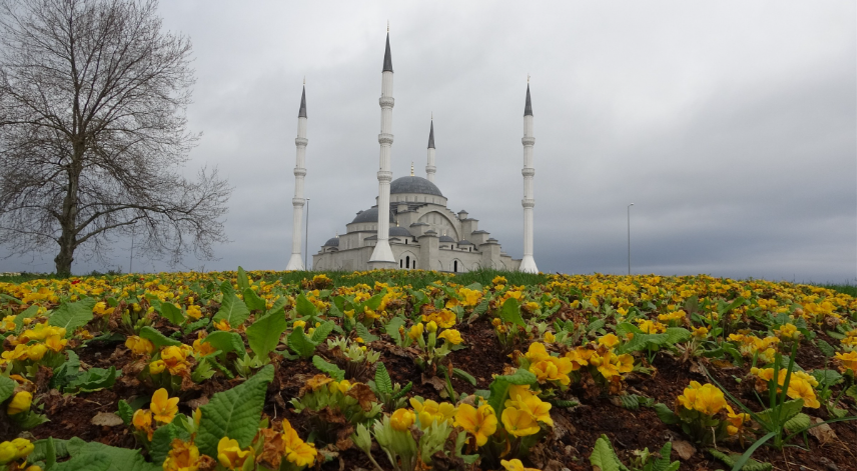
<point>232,310</point>
<point>172,312</point>
<point>299,343</point>
<point>676,335</point>
<point>511,312</point>
<point>732,459</point>
<point>88,462</point>
<point>304,307</point>
<point>163,438</point>
<point>125,411</point>
<point>836,335</point>
<point>364,333</point>
<point>243,280</point>
<point>798,423</point>
<point>71,316</point>
<point>482,307</point>
<point>7,387</point>
<point>663,463</point>
<point>66,372</point>
<point>500,387</point>
<point>826,348</point>
<point>253,301</point>
<point>374,302</point>
<point>392,329</point>
<point>464,375</point>
<point>326,367</point>
<point>382,378</point>
<point>595,325</point>
<point>11,298</point>
<point>234,413</point>
<point>93,380</point>
<point>160,340</point>
<point>666,414</point>
<point>604,457</point>
<point>43,449</point>
<point>264,335</point>
<point>225,342</point>
<point>28,313</point>
<point>279,305</point>
<point>321,332</point>
<point>787,410</point>
<point>828,377</point>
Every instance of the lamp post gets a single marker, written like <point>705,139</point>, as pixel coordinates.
<point>306,237</point>
<point>629,238</point>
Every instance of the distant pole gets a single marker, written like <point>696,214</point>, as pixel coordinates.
<point>629,238</point>
<point>306,242</point>
<point>131,254</point>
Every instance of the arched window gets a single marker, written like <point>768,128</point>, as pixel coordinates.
<point>400,264</point>
<point>408,261</point>
<point>455,266</point>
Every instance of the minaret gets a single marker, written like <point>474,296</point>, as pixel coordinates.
<point>382,255</point>
<point>430,168</point>
<point>295,262</point>
<point>528,264</point>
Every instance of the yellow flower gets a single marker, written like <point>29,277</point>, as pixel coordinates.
<point>537,352</point>
<point>139,345</point>
<point>20,403</point>
<point>201,348</point>
<point>142,419</point>
<point>444,318</point>
<point>163,407</point>
<point>222,325</point>
<point>552,369</point>
<point>700,332</point>
<point>609,340</point>
<point>481,422</point>
<point>549,337</point>
<point>499,280</point>
<point>341,386</point>
<point>194,312</point>
<point>516,465</point>
<point>800,388</point>
<point>707,399</point>
<point>787,331</point>
<point>299,324</point>
<point>295,449</point>
<point>451,335</point>
<point>183,456</point>
<point>538,409</point>
<point>36,351</point>
<point>156,367</point>
<point>230,454</point>
<point>19,353</point>
<point>431,326</point>
<point>55,342</point>
<point>471,297</point>
<point>23,448</point>
<point>848,360</point>
<point>8,451</point>
<point>519,423</point>
<point>175,359</point>
<point>736,420</point>
<point>416,331</point>
<point>430,411</point>
<point>402,419</point>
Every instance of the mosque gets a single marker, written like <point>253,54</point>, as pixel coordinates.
<point>411,226</point>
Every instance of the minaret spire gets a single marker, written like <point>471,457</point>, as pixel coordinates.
<point>528,263</point>
<point>382,255</point>
<point>430,167</point>
<point>295,261</point>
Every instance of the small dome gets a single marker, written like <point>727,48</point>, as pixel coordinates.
<point>370,215</point>
<point>396,231</point>
<point>414,185</point>
<point>465,242</point>
<point>447,239</point>
<point>333,242</point>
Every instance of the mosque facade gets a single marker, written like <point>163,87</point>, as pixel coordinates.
<point>411,226</point>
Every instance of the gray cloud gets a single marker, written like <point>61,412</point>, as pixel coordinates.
<point>731,126</point>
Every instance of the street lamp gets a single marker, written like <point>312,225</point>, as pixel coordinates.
<point>306,237</point>
<point>629,238</point>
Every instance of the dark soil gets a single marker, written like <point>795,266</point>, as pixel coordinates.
<point>568,445</point>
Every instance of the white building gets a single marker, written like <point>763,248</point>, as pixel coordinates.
<point>419,231</point>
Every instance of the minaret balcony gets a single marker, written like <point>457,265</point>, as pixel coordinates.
<point>387,102</point>
<point>528,202</point>
<point>300,172</point>
<point>301,141</point>
<point>528,140</point>
<point>385,138</point>
<point>528,172</point>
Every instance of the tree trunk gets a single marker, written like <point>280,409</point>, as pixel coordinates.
<point>64,258</point>
<point>68,221</point>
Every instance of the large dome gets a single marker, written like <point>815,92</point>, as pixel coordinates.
<point>414,185</point>
<point>370,215</point>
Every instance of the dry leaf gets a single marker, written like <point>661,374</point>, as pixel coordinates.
<point>107,419</point>
<point>684,449</point>
<point>823,433</point>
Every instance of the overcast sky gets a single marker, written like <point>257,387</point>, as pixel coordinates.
<point>731,126</point>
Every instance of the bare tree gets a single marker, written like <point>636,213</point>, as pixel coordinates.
<point>93,133</point>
